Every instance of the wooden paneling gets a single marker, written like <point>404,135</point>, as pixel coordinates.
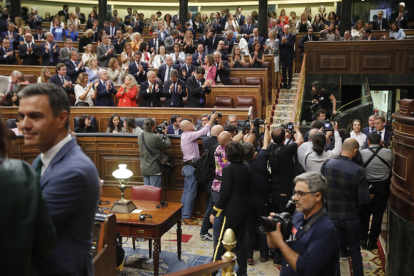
<point>360,57</point>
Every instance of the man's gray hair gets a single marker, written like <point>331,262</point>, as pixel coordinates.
<point>272,20</point>
<point>34,8</point>
<point>48,34</point>
<point>216,53</point>
<point>68,39</point>
<point>316,182</point>
<point>10,24</point>
<point>71,52</point>
<point>229,32</point>
<point>150,73</point>
<point>286,27</point>
<point>174,32</point>
<point>148,123</point>
<point>101,71</point>
<point>231,115</point>
<point>15,73</point>
<point>174,73</point>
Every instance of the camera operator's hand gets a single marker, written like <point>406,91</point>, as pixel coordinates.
<point>335,126</point>
<point>320,130</point>
<point>213,117</point>
<point>297,126</point>
<point>371,197</point>
<point>165,130</point>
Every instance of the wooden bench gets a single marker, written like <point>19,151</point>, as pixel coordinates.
<point>105,261</point>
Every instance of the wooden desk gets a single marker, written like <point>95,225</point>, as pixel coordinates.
<point>129,225</point>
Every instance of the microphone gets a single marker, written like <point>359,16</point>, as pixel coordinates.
<point>250,112</point>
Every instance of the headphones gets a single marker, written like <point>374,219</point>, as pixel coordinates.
<point>144,216</point>
<point>162,204</point>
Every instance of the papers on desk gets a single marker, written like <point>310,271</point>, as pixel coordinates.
<point>136,211</point>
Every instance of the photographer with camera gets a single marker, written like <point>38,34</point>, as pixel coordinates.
<point>156,143</point>
<point>191,153</point>
<point>316,154</point>
<point>322,100</point>
<point>282,172</point>
<point>312,246</point>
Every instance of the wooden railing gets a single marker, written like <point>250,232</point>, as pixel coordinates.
<point>299,92</point>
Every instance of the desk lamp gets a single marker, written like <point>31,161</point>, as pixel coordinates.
<point>122,205</point>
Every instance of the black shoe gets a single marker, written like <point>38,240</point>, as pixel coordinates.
<point>345,255</point>
<point>372,245</point>
<point>288,87</point>
<point>363,243</point>
<point>284,86</point>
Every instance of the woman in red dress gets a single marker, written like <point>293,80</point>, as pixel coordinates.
<point>128,92</point>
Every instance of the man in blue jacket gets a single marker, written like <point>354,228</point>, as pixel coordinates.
<point>68,179</point>
<point>104,90</point>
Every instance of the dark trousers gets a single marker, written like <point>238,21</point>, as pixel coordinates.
<point>209,206</point>
<point>350,230</point>
<point>238,224</point>
<point>278,206</point>
<point>376,207</point>
<point>287,64</point>
<point>258,207</point>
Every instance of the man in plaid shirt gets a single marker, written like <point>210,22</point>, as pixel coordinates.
<point>347,190</point>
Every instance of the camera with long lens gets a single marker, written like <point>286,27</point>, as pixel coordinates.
<point>246,124</point>
<point>266,224</point>
<point>161,127</point>
<point>218,113</point>
<point>328,125</point>
<point>257,122</point>
<point>314,106</point>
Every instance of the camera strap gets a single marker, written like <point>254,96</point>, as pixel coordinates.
<point>306,158</point>
<point>375,153</point>
<point>314,219</point>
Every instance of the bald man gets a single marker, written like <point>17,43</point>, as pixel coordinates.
<point>191,154</point>
<point>347,190</point>
<point>210,141</point>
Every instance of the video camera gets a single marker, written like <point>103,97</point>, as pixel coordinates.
<point>328,125</point>
<point>218,113</point>
<point>266,224</point>
<point>314,106</point>
<point>161,127</point>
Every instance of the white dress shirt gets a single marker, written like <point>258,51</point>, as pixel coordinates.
<point>79,91</point>
<point>48,156</point>
<point>361,138</point>
<point>382,133</point>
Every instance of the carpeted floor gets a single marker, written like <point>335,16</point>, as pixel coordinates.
<point>196,252</point>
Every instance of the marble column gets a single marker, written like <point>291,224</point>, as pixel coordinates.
<point>183,12</point>
<point>103,13</point>
<point>263,18</point>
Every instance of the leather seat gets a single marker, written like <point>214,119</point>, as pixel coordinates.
<point>236,81</point>
<point>93,122</point>
<point>11,123</point>
<point>185,101</point>
<point>138,99</point>
<point>139,122</point>
<point>253,81</point>
<point>162,101</point>
<point>266,64</point>
<point>246,102</point>
<point>247,65</point>
<point>223,102</point>
<point>31,78</point>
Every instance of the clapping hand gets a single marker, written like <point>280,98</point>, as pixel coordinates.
<point>140,69</point>
<point>67,83</point>
<point>178,88</point>
<point>150,87</point>
<point>171,87</point>
<point>156,86</point>
<point>11,52</point>
<point>108,85</point>
<point>80,64</point>
<point>54,47</point>
<point>220,64</point>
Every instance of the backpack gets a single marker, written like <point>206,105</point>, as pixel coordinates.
<point>205,167</point>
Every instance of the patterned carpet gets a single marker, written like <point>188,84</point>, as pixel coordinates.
<point>196,252</point>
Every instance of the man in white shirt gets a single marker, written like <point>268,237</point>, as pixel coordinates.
<point>10,83</point>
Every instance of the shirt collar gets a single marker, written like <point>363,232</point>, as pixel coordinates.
<point>10,80</point>
<point>48,156</point>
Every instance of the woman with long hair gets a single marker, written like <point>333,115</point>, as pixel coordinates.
<point>236,59</point>
<point>23,79</point>
<point>162,33</point>
<point>130,126</point>
<point>323,99</point>
<point>308,12</point>
<point>127,56</point>
<point>397,33</point>
<point>71,32</point>
<point>284,19</point>
<point>318,24</point>
<point>358,32</point>
<point>168,24</point>
<point>25,30</point>
<point>357,133</point>
<point>57,30</point>
<point>303,24</point>
<point>136,41</point>
<point>211,69</point>
<point>84,125</point>
<point>146,56</point>
<point>293,21</point>
<point>256,56</point>
<point>93,69</point>
<point>115,72</point>
<point>47,17</point>
<point>231,21</point>
<point>128,92</point>
<point>89,53</point>
<point>84,92</point>
<point>272,48</point>
<point>11,99</point>
<point>44,75</point>
<point>18,130</point>
<point>189,47</point>
<point>129,32</point>
<point>331,19</point>
<point>160,58</point>
<point>115,125</point>
<point>74,20</point>
<point>322,13</point>
<point>178,56</point>
<point>153,25</point>
<point>330,34</point>
<point>85,40</point>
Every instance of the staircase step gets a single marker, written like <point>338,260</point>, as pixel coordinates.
<point>284,90</point>
<point>281,107</point>
<point>287,96</point>
<point>286,101</point>
<point>282,114</point>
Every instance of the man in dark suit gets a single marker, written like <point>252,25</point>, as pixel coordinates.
<point>228,42</point>
<point>29,52</point>
<point>64,12</point>
<point>63,189</point>
<point>247,30</point>
<point>402,17</point>
<point>276,28</point>
<point>12,35</point>
<point>239,17</point>
<point>7,54</point>
<point>347,36</point>
<point>111,30</point>
<point>203,38</point>
<point>219,23</point>
<point>128,17</point>
<point>39,35</point>
<point>49,51</point>
<point>174,91</point>
<point>255,38</point>
<point>309,37</point>
<point>370,128</point>
<point>119,42</point>
<point>188,28</point>
<point>174,127</point>
<point>197,88</point>
<point>223,69</point>
<point>385,134</point>
<point>212,40</point>
<point>61,80</point>
<point>138,69</point>
<point>34,19</point>
<point>155,43</point>
<point>104,90</point>
<point>220,48</point>
<point>73,66</point>
<point>151,91</point>
<point>120,24</point>
<point>165,69</point>
<point>80,15</point>
<point>368,36</point>
<point>380,23</point>
<point>198,58</point>
<point>91,19</point>
<point>138,26</point>
<point>187,70</point>
<point>287,54</point>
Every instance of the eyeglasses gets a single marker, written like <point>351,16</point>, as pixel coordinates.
<point>300,194</point>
